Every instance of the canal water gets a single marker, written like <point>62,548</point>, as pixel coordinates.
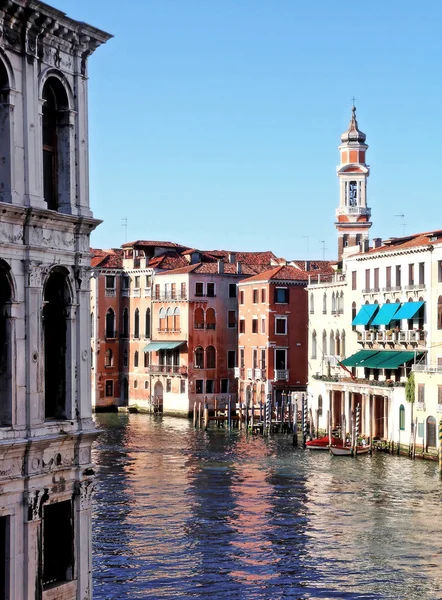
<point>181,513</point>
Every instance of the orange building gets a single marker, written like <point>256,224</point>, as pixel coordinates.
<point>273,335</point>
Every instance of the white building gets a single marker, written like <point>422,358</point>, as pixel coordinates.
<point>375,322</point>
<point>46,427</point>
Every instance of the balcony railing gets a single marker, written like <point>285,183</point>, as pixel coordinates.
<point>419,368</point>
<point>125,293</point>
<point>249,373</point>
<point>259,373</point>
<point>169,297</point>
<point>167,330</point>
<point>405,336</point>
<point>333,360</point>
<point>353,210</point>
<point>392,288</point>
<point>136,293</point>
<point>281,375</point>
<point>167,369</point>
<point>327,279</point>
<point>147,292</point>
<point>415,286</point>
<point>373,290</point>
<point>110,292</point>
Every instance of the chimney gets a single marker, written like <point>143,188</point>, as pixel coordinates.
<point>238,267</point>
<point>232,257</point>
<point>377,242</point>
<point>307,265</point>
<point>364,245</point>
<point>220,266</point>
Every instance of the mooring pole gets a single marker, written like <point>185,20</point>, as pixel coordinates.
<point>295,420</point>
<point>304,420</point>
<point>229,412</point>
<point>440,447</point>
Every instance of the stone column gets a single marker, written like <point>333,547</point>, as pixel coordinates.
<point>83,538</point>
<point>32,558</point>
<point>82,346</point>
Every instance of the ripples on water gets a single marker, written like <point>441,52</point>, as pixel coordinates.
<point>181,513</point>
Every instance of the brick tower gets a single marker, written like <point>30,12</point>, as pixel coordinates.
<point>353,214</point>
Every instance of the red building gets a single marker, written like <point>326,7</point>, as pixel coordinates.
<point>273,335</point>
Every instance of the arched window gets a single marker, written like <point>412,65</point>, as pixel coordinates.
<point>353,314</point>
<point>210,357</point>
<point>320,406</point>
<point>147,324</point>
<point>199,358</point>
<point>146,359</point>
<point>125,323</point>
<point>314,345</point>
<point>56,146</point>
<point>332,344</point>
<point>92,324</point>
<point>312,303</point>
<point>210,319</point>
<point>177,319</point>
<point>341,303</point>
<point>431,433</point>
<point>333,304</point>
<point>5,136</point>
<point>5,346</point>
<point>137,324</point>
<point>199,318</point>
<point>343,344</point>
<point>162,319</point>
<point>136,358</point>
<point>324,343</point>
<point>125,360</point>
<point>402,417</point>
<point>56,298</point>
<point>108,358</point>
<point>169,319</point>
<point>337,344</point>
<point>110,323</point>
<point>324,303</point>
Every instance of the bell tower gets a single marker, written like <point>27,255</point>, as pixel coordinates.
<point>353,214</point>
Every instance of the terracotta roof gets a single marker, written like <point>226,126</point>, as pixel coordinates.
<point>153,244</point>
<point>315,266</point>
<point>249,258</point>
<point>212,269</point>
<point>107,259</point>
<point>281,273</point>
<point>428,238</point>
<point>168,260</point>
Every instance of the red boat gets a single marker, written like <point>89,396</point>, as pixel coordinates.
<point>322,443</point>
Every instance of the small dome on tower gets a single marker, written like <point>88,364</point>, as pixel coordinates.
<point>353,133</point>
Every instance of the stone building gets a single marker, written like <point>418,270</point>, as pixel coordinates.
<point>46,426</point>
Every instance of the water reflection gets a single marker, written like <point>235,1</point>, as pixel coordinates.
<point>181,513</point>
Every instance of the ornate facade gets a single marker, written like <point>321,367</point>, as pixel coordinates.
<point>46,426</point>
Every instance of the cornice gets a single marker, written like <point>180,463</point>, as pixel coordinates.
<point>398,252</point>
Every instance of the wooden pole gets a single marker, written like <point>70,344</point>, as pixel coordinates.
<point>295,423</point>
<point>206,416</point>
<point>440,447</point>
<point>199,414</point>
<point>229,412</point>
<point>194,414</point>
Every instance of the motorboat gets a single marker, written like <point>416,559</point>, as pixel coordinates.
<point>322,443</point>
<point>340,450</point>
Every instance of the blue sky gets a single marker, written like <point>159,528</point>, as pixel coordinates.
<point>215,123</point>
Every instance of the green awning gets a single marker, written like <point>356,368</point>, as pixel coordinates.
<point>377,360</point>
<point>396,361</point>
<point>356,360</point>
<point>155,346</point>
<point>365,314</point>
<point>386,314</point>
<point>408,310</point>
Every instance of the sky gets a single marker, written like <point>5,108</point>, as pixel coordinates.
<point>216,123</point>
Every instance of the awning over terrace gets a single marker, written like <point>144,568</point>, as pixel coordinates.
<point>365,314</point>
<point>386,314</point>
<point>384,359</point>
<point>155,346</point>
<point>408,310</point>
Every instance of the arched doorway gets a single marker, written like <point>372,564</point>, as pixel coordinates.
<point>125,392</point>
<point>158,397</point>
<point>431,433</point>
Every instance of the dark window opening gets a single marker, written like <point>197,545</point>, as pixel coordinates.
<point>231,359</point>
<point>137,324</point>
<point>232,290</point>
<point>147,324</point>
<point>199,386</point>
<point>210,357</point>
<point>210,386</point>
<point>4,558</point>
<point>109,388</point>
<point>125,323</point>
<point>56,155</point>
<point>199,289</point>
<point>136,358</point>
<point>224,386</point>
<point>5,350</point>
<point>211,290</point>
<point>281,295</point>
<point>58,543</point>
<point>199,358</point>
<point>110,324</point>
<point>55,340</point>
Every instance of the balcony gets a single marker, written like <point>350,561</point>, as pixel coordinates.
<point>110,292</point>
<point>415,286</point>
<point>249,373</point>
<point>439,408</point>
<point>147,292</point>
<point>392,288</point>
<point>426,368</point>
<point>136,293</point>
<point>259,373</point>
<point>166,370</point>
<point>125,293</point>
<point>373,290</point>
<point>332,360</point>
<point>281,375</point>
<point>405,336</point>
<point>327,279</point>
<point>238,372</point>
<point>167,330</point>
<point>420,406</point>
<point>170,297</point>
<point>353,210</point>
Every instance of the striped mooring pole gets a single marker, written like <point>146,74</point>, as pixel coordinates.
<point>268,412</point>
<point>440,447</point>
<point>304,420</point>
<point>357,420</point>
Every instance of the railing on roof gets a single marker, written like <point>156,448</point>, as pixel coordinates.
<point>326,279</point>
<point>353,210</point>
<point>419,368</point>
<point>415,286</point>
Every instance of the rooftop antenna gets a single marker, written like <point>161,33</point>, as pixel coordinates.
<point>323,248</point>
<point>124,224</point>
<point>402,216</point>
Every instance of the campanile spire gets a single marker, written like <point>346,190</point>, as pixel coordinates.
<point>353,214</point>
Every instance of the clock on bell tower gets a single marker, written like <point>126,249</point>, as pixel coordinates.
<point>353,214</point>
